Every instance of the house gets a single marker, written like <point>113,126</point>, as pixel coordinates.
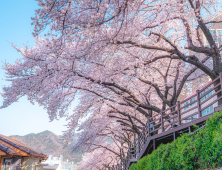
<point>216,31</point>
<point>53,163</point>
<point>68,165</point>
<point>189,104</point>
<point>57,163</point>
<point>15,155</point>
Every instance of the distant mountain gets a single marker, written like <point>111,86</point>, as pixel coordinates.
<point>50,144</point>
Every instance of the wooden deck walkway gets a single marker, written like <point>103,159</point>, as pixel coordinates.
<point>167,125</point>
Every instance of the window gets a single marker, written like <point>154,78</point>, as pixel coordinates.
<point>207,95</point>
<point>187,103</point>
<point>207,110</point>
<point>190,118</point>
<point>185,108</point>
<point>214,34</point>
<point>151,126</point>
<point>217,36</point>
<point>7,164</point>
<point>192,100</point>
<point>187,120</point>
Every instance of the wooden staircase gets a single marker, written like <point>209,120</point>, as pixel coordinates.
<point>166,126</point>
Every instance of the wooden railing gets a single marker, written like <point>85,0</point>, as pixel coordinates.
<point>196,106</point>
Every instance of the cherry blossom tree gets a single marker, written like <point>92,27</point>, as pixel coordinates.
<point>104,141</point>
<point>125,60</point>
<point>98,159</point>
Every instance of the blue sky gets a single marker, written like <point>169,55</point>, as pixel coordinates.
<point>22,117</point>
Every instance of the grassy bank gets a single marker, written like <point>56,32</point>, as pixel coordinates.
<point>197,151</point>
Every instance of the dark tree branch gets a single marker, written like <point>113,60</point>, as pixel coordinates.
<point>161,57</point>
<point>146,46</point>
<point>157,90</point>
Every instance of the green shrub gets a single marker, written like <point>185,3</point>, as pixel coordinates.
<point>197,151</point>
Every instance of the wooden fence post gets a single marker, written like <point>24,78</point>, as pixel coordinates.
<point>121,164</point>
<point>220,80</point>
<point>144,136</point>
<point>148,126</point>
<point>130,147</point>
<point>198,103</point>
<point>178,112</point>
<point>162,124</point>
<point>138,142</point>
<point>135,150</point>
<point>219,102</point>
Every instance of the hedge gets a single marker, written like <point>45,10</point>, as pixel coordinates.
<point>200,150</point>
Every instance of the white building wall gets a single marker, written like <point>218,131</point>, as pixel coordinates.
<point>203,112</point>
<point>54,161</point>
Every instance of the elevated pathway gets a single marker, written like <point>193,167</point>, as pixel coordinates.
<point>167,125</point>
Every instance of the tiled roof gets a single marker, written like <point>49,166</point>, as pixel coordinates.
<point>14,147</point>
<point>8,150</point>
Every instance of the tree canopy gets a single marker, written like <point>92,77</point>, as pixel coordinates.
<point>124,60</point>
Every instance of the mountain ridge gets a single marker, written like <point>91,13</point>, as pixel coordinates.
<point>49,143</point>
